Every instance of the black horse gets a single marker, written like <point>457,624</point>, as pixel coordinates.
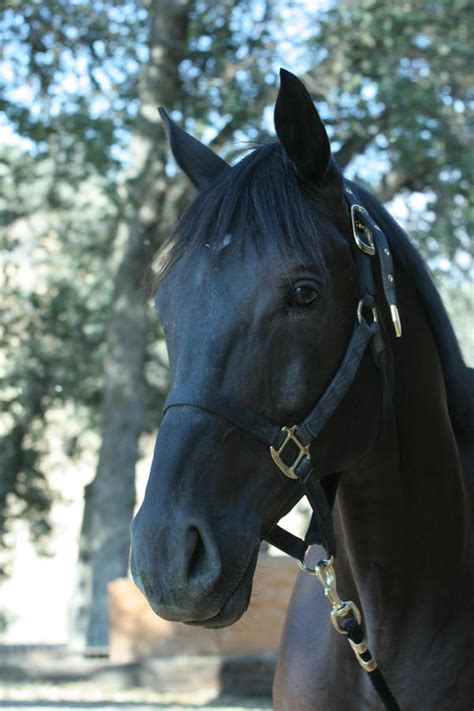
<point>259,291</point>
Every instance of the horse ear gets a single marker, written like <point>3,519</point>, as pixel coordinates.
<point>196,160</point>
<point>300,129</point>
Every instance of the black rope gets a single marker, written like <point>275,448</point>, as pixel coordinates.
<point>354,632</point>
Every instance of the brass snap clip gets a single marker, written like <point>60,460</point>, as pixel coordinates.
<point>326,575</point>
<point>340,608</point>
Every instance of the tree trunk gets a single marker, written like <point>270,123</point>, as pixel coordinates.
<point>110,498</point>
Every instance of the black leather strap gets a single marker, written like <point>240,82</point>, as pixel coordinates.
<point>215,404</point>
<point>330,484</point>
<point>321,511</point>
<point>312,425</point>
<point>386,266</point>
<point>288,543</point>
<point>384,256</point>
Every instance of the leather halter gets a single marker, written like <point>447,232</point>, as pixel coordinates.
<point>369,240</point>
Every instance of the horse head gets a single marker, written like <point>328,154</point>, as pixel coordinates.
<point>257,300</point>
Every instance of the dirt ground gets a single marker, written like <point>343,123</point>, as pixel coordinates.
<point>60,681</point>
<point>21,696</point>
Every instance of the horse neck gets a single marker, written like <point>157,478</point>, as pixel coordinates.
<point>403,512</point>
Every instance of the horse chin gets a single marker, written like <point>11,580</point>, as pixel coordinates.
<point>236,604</point>
<point>231,612</point>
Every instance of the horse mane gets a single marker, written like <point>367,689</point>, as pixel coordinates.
<point>458,377</point>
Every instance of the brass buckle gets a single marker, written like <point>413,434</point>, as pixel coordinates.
<point>303,451</point>
<point>361,231</point>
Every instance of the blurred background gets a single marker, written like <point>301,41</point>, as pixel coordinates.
<point>88,192</point>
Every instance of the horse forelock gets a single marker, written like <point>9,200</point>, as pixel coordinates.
<point>260,201</point>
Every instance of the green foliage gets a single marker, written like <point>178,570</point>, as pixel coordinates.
<point>397,80</point>
<point>54,308</point>
<point>392,80</point>
<point>68,99</point>
<point>70,93</point>
<point>228,73</point>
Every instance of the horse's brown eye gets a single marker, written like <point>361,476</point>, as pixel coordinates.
<point>303,294</point>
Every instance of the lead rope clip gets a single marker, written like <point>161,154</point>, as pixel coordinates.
<point>324,571</point>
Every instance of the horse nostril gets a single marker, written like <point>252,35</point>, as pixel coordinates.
<point>196,552</point>
<point>202,561</point>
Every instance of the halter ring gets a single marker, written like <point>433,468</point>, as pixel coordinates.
<point>373,308</point>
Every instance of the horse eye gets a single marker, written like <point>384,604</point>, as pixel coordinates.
<point>303,294</point>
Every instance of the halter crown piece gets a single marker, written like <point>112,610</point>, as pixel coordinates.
<point>290,445</point>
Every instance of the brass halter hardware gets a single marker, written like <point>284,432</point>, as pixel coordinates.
<point>397,324</point>
<point>365,241</point>
<point>360,314</point>
<point>303,451</point>
<point>361,231</point>
<point>326,575</point>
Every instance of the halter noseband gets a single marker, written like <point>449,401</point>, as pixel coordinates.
<point>369,240</point>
